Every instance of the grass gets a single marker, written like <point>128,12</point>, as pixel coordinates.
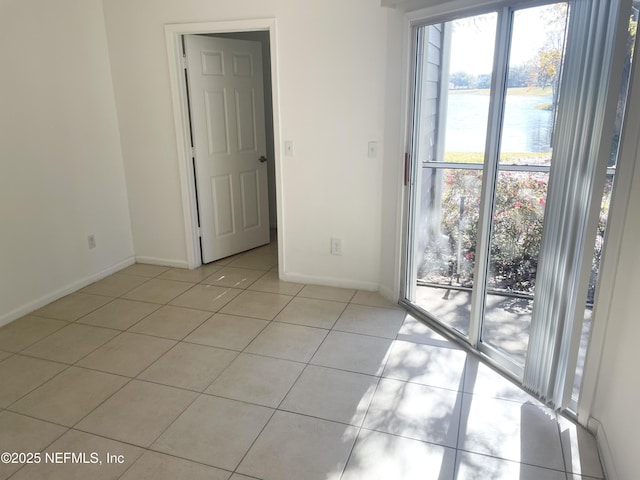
<point>506,157</point>
<point>528,91</point>
<point>545,106</point>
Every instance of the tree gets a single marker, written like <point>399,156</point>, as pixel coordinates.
<point>462,80</point>
<point>519,76</point>
<point>483,81</point>
<point>548,61</point>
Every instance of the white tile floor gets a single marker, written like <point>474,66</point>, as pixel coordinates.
<point>227,373</point>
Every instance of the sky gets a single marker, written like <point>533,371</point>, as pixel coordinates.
<point>473,41</point>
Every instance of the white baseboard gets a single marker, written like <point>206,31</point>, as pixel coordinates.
<point>329,281</point>
<point>603,449</point>
<point>163,262</point>
<point>388,293</point>
<point>61,292</point>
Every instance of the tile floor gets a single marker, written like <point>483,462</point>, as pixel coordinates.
<point>227,373</point>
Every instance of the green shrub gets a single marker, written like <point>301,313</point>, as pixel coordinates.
<point>517,230</point>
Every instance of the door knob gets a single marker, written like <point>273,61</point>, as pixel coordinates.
<point>262,159</point>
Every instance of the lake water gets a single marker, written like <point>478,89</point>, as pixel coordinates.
<point>526,128</point>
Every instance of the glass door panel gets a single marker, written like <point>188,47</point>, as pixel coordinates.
<point>515,246</point>
<point>454,65</point>
<point>519,197</point>
<point>446,264</point>
<point>535,62</point>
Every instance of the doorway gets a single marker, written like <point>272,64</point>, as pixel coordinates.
<point>228,80</point>
<point>253,213</point>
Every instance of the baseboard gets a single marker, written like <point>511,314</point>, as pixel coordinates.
<point>603,449</point>
<point>329,281</point>
<point>66,290</point>
<point>388,293</point>
<point>163,262</point>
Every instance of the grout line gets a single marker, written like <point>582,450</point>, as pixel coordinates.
<point>82,357</point>
<point>8,407</point>
<point>361,427</point>
<point>244,350</point>
<point>463,382</point>
<point>151,450</point>
<point>28,415</point>
<point>278,408</point>
<point>12,475</point>
<point>164,430</point>
<point>173,347</point>
<point>41,317</point>
<point>562,452</point>
<point>455,462</point>
<point>397,435</point>
<point>508,460</point>
<point>460,396</point>
<point>392,339</point>
<point>169,338</point>
<point>41,339</point>
<point>199,394</point>
<point>129,290</point>
<point>235,470</point>
<point>157,305</point>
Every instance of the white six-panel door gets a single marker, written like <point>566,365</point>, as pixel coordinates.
<point>226,99</point>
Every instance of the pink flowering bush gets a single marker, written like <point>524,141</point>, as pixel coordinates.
<point>518,216</point>
<point>517,229</point>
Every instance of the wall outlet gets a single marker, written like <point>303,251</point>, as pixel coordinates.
<point>336,246</point>
<point>91,240</point>
<point>372,149</point>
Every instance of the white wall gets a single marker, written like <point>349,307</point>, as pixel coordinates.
<point>61,171</point>
<point>618,389</point>
<point>332,71</point>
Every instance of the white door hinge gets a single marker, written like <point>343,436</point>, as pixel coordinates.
<point>193,152</point>
<point>184,62</point>
<point>199,231</point>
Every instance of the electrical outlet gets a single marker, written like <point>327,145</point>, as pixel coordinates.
<point>372,149</point>
<point>336,246</point>
<point>91,240</point>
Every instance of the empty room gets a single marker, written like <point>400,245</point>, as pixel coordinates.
<point>333,240</point>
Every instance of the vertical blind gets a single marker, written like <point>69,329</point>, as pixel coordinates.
<point>582,144</point>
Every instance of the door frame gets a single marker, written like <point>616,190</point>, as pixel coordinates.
<point>182,127</point>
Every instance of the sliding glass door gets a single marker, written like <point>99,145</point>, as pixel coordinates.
<point>451,123</point>
<point>488,104</point>
<point>469,125</point>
